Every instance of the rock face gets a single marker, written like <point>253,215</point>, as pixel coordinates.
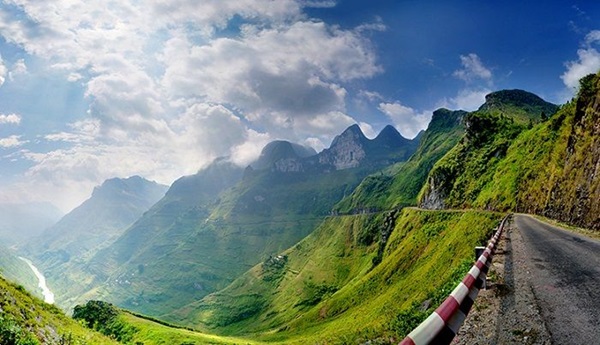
<point>347,150</point>
<point>433,196</point>
<point>575,196</point>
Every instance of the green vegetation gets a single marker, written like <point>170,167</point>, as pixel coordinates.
<point>16,270</point>
<point>26,320</point>
<point>190,247</point>
<point>331,291</point>
<point>549,169</point>
<point>264,263</point>
<point>399,185</point>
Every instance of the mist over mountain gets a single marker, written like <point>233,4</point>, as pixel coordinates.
<point>22,221</point>
<point>62,249</point>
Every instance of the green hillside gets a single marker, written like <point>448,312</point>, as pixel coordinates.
<point>550,169</point>
<point>26,320</point>
<point>16,270</point>
<point>399,184</point>
<point>193,243</point>
<point>337,285</point>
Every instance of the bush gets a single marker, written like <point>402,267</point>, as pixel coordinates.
<point>104,317</point>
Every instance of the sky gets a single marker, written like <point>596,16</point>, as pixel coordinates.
<point>91,90</point>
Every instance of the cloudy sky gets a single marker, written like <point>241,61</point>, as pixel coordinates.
<point>91,90</point>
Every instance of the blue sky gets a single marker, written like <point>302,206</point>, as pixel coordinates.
<point>94,90</point>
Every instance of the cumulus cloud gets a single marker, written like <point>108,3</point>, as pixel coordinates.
<point>12,141</point>
<point>407,120</point>
<point>168,93</point>
<point>466,99</point>
<point>588,61</point>
<point>472,69</point>
<point>10,119</point>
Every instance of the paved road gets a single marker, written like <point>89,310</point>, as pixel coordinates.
<point>565,277</point>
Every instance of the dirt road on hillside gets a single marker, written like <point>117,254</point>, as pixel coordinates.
<point>544,288</point>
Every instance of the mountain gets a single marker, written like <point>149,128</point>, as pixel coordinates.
<point>29,321</point>
<point>280,151</point>
<point>184,248</point>
<point>399,184</point>
<point>111,208</point>
<point>520,105</point>
<point>21,221</point>
<point>355,279</point>
<point>61,250</point>
<point>551,169</point>
<point>321,248</point>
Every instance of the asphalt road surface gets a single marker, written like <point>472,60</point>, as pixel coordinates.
<point>564,273</point>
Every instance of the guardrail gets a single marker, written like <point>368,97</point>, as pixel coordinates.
<point>443,324</point>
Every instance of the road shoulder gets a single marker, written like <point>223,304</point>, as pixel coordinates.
<point>507,312</point>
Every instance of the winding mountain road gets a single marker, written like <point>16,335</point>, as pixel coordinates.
<point>564,273</point>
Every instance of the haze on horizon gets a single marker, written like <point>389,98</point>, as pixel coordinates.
<point>160,88</point>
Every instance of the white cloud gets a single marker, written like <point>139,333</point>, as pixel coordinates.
<point>10,119</point>
<point>3,71</point>
<point>588,62</point>
<point>466,99</point>
<point>247,152</point>
<point>167,94</point>
<point>407,120</point>
<point>11,141</point>
<point>18,68</point>
<point>472,69</point>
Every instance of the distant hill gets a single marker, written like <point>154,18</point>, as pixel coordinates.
<point>61,251</point>
<point>185,247</point>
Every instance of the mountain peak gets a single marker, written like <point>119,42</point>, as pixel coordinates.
<point>278,150</point>
<point>527,102</point>
<point>389,137</point>
<point>134,184</point>
<point>350,134</point>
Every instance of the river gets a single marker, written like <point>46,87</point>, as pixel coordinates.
<point>48,295</point>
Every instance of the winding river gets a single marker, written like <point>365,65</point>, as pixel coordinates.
<point>48,295</point>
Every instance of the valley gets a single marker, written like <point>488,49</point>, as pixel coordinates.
<point>355,244</point>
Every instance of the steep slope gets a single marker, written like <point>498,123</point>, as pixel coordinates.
<point>550,169</point>
<point>112,207</point>
<point>62,250</point>
<point>331,288</point>
<point>16,270</point>
<point>180,252</point>
<point>27,320</point>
